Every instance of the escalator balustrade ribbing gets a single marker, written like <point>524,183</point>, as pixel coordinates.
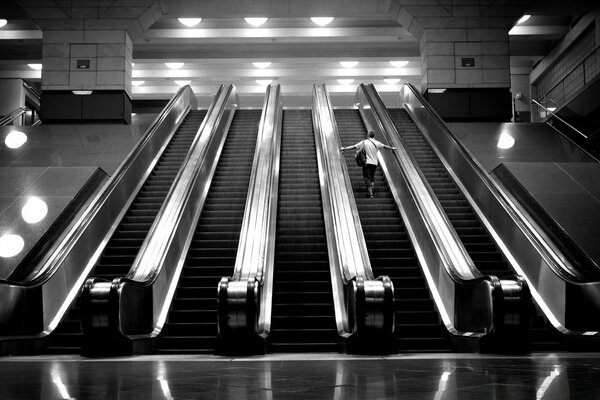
<point>192,321</point>
<point>473,234</point>
<point>418,325</point>
<point>121,250</point>
<point>303,318</point>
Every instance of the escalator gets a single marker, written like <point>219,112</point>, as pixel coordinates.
<point>303,317</point>
<point>192,322</point>
<point>121,250</point>
<point>418,325</point>
<point>476,239</point>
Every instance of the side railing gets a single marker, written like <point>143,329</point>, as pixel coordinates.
<point>481,311</point>
<point>567,294</point>
<point>244,299</point>
<point>32,308</point>
<point>126,315</point>
<point>364,306</point>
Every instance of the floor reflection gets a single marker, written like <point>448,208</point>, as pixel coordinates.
<point>445,377</point>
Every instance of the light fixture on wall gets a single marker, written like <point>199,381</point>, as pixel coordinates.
<point>321,21</point>
<point>190,22</point>
<point>174,65</point>
<point>256,21</point>
<point>261,64</point>
<point>348,64</point>
<point>398,63</point>
<point>82,92</point>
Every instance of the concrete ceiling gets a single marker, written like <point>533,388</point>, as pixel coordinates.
<point>223,47</point>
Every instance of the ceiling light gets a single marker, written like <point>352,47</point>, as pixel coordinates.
<point>137,83</point>
<point>82,92</point>
<point>398,64</point>
<point>34,210</point>
<point>174,65</point>
<point>551,109</point>
<point>345,81</point>
<point>349,64</point>
<point>182,83</point>
<point>321,21</point>
<point>3,22</point>
<point>15,139</point>
<point>190,21</point>
<point>37,67</point>
<point>436,90</point>
<point>391,81</point>
<point>11,245</point>
<point>523,18</point>
<point>505,141</point>
<point>256,22</point>
<point>261,64</point>
<point>264,81</point>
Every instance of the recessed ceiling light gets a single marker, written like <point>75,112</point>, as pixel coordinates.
<point>15,139</point>
<point>391,81</point>
<point>398,64</point>
<point>34,210</point>
<point>11,245</point>
<point>345,81</point>
<point>261,64</point>
<point>264,81</point>
<point>523,18</point>
<point>256,22</point>
<point>137,83</point>
<point>190,21</point>
<point>321,21</point>
<point>37,67</point>
<point>182,83</point>
<point>83,92</point>
<point>3,22</point>
<point>349,64</point>
<point>173,65</point>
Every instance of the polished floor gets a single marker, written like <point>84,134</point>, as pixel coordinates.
<point>454,376</point>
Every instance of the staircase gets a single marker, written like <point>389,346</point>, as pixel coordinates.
<point>418,326</point>
<point>120,252</point>
<point>476,239</point>
<point>192,322</point>
<point>303,317</point>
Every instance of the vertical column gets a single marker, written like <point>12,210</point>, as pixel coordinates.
<point>86,76</point>
<point>466,71</point>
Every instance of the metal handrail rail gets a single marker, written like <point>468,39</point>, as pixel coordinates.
<point>554,256</point>
<point>4,121</point>
<point>72,253</point>
<point>560,119</point>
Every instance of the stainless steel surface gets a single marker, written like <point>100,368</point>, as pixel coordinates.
<point>45,297</point>
<point>446,265</point>
<point>256,250</point>
<point>557,287</point>
<point>351,274</point>
<point>152,279</point>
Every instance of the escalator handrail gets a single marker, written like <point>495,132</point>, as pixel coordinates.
<point>185,95</point>
<point>13,115</point>
<point>554,257</point>
<point>456,259</point>
<point>71,259</point>
<point>349,242</point>
<point>150,261</point>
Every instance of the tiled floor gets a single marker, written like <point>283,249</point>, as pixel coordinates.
<point>311,376</point>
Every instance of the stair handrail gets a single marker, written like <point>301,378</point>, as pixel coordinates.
<point>111,315</point>
<point>551,112</point>
<point>13,115</point>
<point>244,299</point>
<point>531,251</point>
<point>356,291</point>
<point>458,287</point>
<point>48,291</point>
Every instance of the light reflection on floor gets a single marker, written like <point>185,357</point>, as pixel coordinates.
<point>312,376</point>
